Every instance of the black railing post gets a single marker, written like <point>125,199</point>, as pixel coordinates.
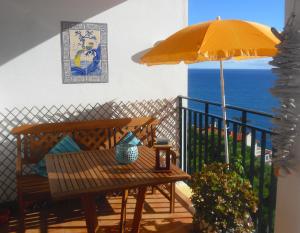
<point>189,154</point>
<point>272,197</point>
<point>261,224</point>
<point>243,148</point>
<point>234,140</point>
<point>212,139</point>
<point>180,130</point>
<point>252,156</point>
<point>272,201</point>
<point>206,132</point>
<point>184,141</point>
<point>200,145</point>
<point>219,139</point>
<point>194,141</point>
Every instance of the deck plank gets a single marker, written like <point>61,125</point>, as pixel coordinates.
<point>67,217</point>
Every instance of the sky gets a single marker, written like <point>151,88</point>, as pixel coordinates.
<point>268,12</point>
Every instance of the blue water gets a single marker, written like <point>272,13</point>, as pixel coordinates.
<point>243,88</point>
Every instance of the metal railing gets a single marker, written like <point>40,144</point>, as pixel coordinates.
<point>201,141</point>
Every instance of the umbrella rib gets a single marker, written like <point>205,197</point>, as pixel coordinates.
<point>260,33</point>
<point>205,38</point>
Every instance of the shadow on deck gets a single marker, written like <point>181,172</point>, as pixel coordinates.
<point>67,216</point>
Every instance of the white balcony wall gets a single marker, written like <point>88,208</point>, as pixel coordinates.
<point>30,50</point>
<point>288,192</point>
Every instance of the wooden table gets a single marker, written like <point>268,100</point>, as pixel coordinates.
<point>87,173</point>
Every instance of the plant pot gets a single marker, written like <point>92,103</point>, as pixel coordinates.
<point>199,227</point>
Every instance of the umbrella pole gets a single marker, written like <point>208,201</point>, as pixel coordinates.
<point>224,112</point>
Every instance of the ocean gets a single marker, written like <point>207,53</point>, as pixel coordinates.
<point>243,88</point>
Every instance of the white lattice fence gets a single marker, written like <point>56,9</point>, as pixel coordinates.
<point>163,109</point>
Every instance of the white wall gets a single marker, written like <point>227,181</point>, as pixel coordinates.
<point>30,53</point>
<point>287,219</point>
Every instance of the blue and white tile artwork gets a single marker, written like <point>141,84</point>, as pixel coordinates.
<point>84,52</point>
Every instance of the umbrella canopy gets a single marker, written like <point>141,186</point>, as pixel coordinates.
<point>215,40</point>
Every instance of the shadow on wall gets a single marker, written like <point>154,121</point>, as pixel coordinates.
<point>162,109</point>
<point>26,24</point>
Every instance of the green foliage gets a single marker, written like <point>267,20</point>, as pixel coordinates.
<point>237,162</point>
<point>223,199</point>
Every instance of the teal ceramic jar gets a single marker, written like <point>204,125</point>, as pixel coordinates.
<point>126,153</point>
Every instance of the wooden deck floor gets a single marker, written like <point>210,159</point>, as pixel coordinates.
<point>67,216</point>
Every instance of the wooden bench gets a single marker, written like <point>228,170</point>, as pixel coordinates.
<point>35,140</point>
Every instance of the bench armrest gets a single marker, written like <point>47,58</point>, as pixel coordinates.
<point>18,166</point>
<point>174,156</point>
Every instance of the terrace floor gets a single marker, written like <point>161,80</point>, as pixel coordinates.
<point>67,216</point>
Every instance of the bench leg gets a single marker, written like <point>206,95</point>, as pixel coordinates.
<point>89,205</point>
<point>138,210</point>
<point>153,190</point>
<point>172,197</point>
<point>123,211</point>
<point>21,213</point>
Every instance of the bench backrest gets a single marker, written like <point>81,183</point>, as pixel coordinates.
<point>35,140</point>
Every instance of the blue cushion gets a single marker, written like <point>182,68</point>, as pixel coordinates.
<point>130,139</point>
<point>66,144</point>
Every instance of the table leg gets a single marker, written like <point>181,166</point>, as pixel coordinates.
<point>89,206</point>
<point>138,209</point>
<point>123,211</point>
<point>172,197</point>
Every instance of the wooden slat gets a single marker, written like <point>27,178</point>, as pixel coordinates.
<point>140,169</point>
<point>93,172</point>
<point>25,138</point>
<point>65,174</point>
<point>114,170</point>
<point>80,176</point>
<point>84,125</point>
<point>114,178</point>
<point>98,171</point>
<point>70,172</point>
<point>33,184</point>
<point>59,175</point>
<point>84,174</point>
<point>52,175</point>
<point>19,157</point>
<point>75,172</point>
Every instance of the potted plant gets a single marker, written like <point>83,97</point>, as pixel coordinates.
<point>223,200</point>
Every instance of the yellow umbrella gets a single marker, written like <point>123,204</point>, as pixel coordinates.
<point>215,40</point>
